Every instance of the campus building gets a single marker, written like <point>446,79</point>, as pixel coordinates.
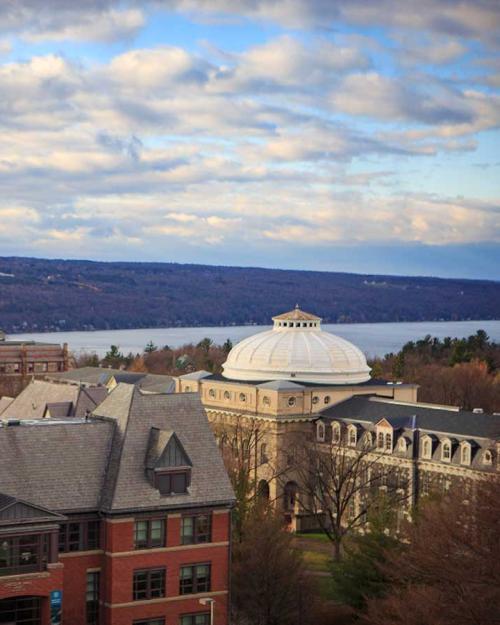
<point>20,361</point>
<point>120,518</point>
<point>298,382</point>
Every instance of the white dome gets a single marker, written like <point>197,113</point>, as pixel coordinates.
<point>297,349</point>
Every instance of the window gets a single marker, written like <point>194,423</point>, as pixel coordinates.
<point>23,554</point>
<point>151,621</point>
<point>211,393</point>
<point>25,610</point>
<point>290,496</point>
<point>196,619</point>
<point>172,482</point>
<point>465,454</point>
<point>243,397</point>
<point>388,441</point>
<point>227,395</point>
<point>426,448</point>
<point>315,399</point>
<point>149,584</point>
<point>488,457</point>
<point>327,399</point>
<point>149,533</point>
<point>292,401</point>
<point>402,444</point>
<point>79,536</point>
<point>92,598</point>
<point>196,529</point>
<point>266,401</point>
<point>380,440</point>
<point>320,431</point>
<point>353,436</point>
<point>194,578</point>
<point>446,452</point>
<point>263,454</point>
<point>336,432</point>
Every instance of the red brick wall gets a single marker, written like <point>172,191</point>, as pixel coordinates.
<point>117,575</point>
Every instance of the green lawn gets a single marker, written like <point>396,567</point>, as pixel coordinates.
<point>316,561</point>
<point>314,536</point>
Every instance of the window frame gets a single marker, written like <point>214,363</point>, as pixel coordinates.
<point>149,543</point>
<point>192,618</point>
<point>39,550</point>
<point>196,533</point>
<point>194,579</point>
<point>65,542</point>
<point>92,597</point>
<point>149,586</point>
<point>320,432</point>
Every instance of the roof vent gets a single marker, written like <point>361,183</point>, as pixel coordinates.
<point>478,411</point>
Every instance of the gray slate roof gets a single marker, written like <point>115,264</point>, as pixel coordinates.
<point>135,412</point>
<point>423,417</point>
<point>60,467</point>
<point>32,401</point>
<point>94,376</point>
<point>71,465</point>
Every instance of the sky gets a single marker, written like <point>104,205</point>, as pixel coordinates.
<point>338,135</point>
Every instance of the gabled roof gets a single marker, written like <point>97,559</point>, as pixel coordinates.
<point>59,409</point>
<point>165,450</point>
<point>5,402</point>
<point>20,511</point>
<point>196,375</point>
<point>31,403</point>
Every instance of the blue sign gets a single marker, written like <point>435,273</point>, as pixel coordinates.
<point>56,607</point>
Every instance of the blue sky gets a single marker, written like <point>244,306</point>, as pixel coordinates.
<point>340,135</point>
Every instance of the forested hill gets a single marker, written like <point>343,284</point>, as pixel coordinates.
<point>38,295</point>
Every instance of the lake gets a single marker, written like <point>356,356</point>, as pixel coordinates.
<point>374,339</point>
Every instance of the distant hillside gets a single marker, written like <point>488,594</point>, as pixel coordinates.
<point>38,295</point>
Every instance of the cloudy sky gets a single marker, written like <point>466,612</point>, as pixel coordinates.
<point>345,135</point>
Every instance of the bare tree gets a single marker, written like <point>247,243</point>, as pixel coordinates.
<point>243,447</point>
<point>342,481</point>
<point>269,581</point>
<point>449,571</point>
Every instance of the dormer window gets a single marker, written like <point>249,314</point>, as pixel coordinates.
<point>488,457</point>
<point>402,445</point>
<point>426,448</point>
<point>167,463</point>
<point>388,441</point>
<point>446,451</point>
<point>465,454</point>
<point>352,436</point>
<point>336,432</point>
<point>380,440</point>
<point>320,431</point>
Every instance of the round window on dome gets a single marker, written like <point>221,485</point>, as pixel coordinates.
<point>315,399</point>
<point>211,393</point>
<point>227,395</point>
<point>243,397</point>
<point>327,399</point>
<point>292,401</point>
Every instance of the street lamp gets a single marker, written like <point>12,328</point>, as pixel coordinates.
<point>211,603</point>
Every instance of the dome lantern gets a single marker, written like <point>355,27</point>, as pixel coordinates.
<point>297,349</point>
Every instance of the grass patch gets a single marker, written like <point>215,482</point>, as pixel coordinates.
<point>316,561</point>
<point>325,587</point>
<point>314,536</point>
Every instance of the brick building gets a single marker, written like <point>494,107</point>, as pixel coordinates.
<point>20,361</point>
<point>119,519</point>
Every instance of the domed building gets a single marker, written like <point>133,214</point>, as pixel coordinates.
<point>277,384</point>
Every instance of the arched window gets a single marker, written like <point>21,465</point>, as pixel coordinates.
<point>263,490</point>
<point>336,432</point>
<point>402,444</point>
<point>465,454</point>
<point>263,453</point>
<point>327,399</point>
<point>315,399</point>
<point>211,393</point>
<point>388,441</point>
<point>292,401</point>
<point>243,397</point>
<point>426,448</point>
<point>488,457</point>
<point>320,431</point>
<point>290,496</point>
<point>227,395</point>
<point>353,436</point>
<point>446,451</point>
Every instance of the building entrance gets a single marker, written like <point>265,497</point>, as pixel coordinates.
<point>21,611</point>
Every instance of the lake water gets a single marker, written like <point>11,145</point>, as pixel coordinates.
<point>375,339</point>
